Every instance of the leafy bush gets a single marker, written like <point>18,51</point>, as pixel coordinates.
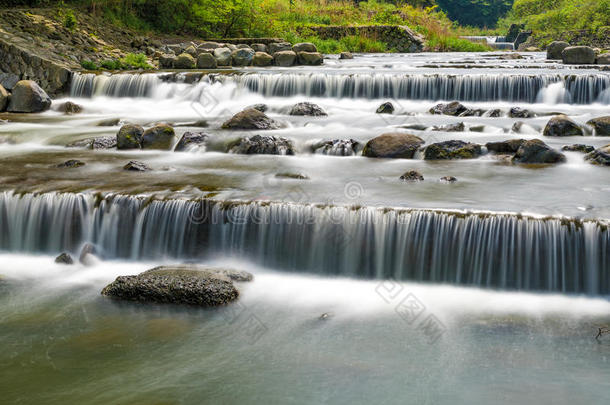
<point>134,61</point>
<point>87,64</point>
<point>111,64</point>
<point>70,20</point>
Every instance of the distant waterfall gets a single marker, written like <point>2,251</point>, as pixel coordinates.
<point>579,89</point>
<point>505,251</point>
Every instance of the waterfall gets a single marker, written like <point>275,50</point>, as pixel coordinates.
<point>507,251</point>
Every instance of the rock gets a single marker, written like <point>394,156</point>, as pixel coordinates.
<point>185,61</point>
<point>136,166</point>
<point>104,142</point>
<point>4,98</point>
<point>161,136</point>
<point>190,140</point>
<point>304,47</point>
<point>532,49</point>
<point>385,108</point>
<point>189,285</point>
<point>393,145</point>
<point>601,125</point>
<point>452,150</point>
<point>472,113</point>
<point>517,126</point>
<point>259,48</point>
<point>510,146</point>
<point>191,50</point>
<point>279,47</point>
<point>242,57</point>
<point>415,127</point>
<point>578,147</point>
<point>206,61</point>
<point>28,97</point>
<point>535,151</point>
<point>230,46</point>
<point>260,107</point>
<point>493,113</point>
<point>337,147</point>
<point>71,164</point>
<point>457,127</point>
<point>250,119</point>
<point>448,179</point>
<point>284,58</point>
<point>166,61</point>
<point>87,255</point>
<point>555,48</point>
<point>511,56</point>
<point>294,176</point>
<point>412,175</point>
<point>111,122</point>
<point>346,55</point>
<point>243,46</point>
<point>600,157</point>
<point>513,32</point>
<point>578,55</point>
<point>70,108</point>
<point>454,108</point>
<point>262,145</point>
<point>209,45</point>
<point>517,112</point>
<point>477,128</point>
<point>521,39</point>
<point>129,137</point>
<point>223,56</point>
<point>310,58</point>
<point>562,125</point>
<point>262,59</point>
<point>64,258</point>
<point>306,108</point>
<point>603,59</point>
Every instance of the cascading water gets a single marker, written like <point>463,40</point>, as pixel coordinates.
<point>488,250</point>
<point>578,89</point>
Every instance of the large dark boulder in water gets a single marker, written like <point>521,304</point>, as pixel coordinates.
<point>555,48</point>
<point>70,108</point>
<point>518,112</point>
<point>129,137</point>
<point>136,166</point>
<point>562,125</point>
<point>310,58</point>
<point>242,57</point>
<point>600,156</point>
<point>190,140</point>
<point>71,164</point>
<point>250,119</point>
<point>412,176</point>
<point>454,108</point>
<point>385,108</point>
<point>4,98</point>
<point>184,61</point>
<point>262,145</point>
<point>601,125</point>
<point>535,151</point>
<point>28,97</point>
<point>64,258</point>
<point>503,147</point>
<point>284,58</point>
<point>393,145</point>
<point>161,136</point>
<point>452,150</point>
<point>578,147</point>
<point>306,108</point>
<point>578,55</point>
<point>189,285</point>
<point>337,147</point>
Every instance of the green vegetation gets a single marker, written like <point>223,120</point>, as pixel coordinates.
<point>129,62</point>
<point>87,64</point>
<point>70,20</point>
<point>478,13</point>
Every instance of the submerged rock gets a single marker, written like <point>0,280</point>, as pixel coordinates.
<point>70,108</point>
<point>457,127</point>
<point>505,147</point>
<point>87,255</point>
<point>250,119</point>
<point>346,55</point>
<point>385,108</point>
<point>28,97</point>
<point>64,258</point>
<point>393,145</point>
<point>306,108</point>
<point>448,179</point>
<point>452,150</point>
<point>129,137</point>
<point>70,164</point>
<point>601,125</point>
<point>454,108</point>
<point>535,151</point>
<point>578,147</point>
<point>337,147</point>
<point>136,166</point>
<point>600,156</point>
<point>294,176</point>
<point>562,125</point>
<point>262,145</point>
<point>518,112</point>
<point>104,142</point>
<point>493,113</point>
<point>161,136</point>
<point>412,176</point>
<point>190,140</point>
<point>190,285</point>
<point>111,122</point>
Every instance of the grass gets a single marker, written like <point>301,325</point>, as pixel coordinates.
<point>346,44</point>
<point>129,62</point>
<point>446,44</point>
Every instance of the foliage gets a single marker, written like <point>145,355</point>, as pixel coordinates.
<point>134,61</point>
<point>70,20</point>
<point>88,65</point>
<point>479,13</point>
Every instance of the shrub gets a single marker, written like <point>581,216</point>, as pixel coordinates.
<point>70,20</point>
<point>134,61</point>
<point>87,64</point>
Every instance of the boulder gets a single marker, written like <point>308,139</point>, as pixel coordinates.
<point>603,59</point>
<point>223,56</point>
<point>310,58</point>
<point>304,47</point>
<point>104,142</point>
<point>448,179</point>
<point>518,112</point>
<point>242,57</point>
<point>166,61</point>
<point>578,55</point>
<point>250,119</point>
<point>189,285</point>
<point>346,55</point>
<point>129,137</point>
<point>555,48</point>
<point>578,147</point>
<point>493,113</point>
<point>191,50</point>
<point>601,125</point>
<point>70,108</point>
<point>284,58</point>
<point>562,125</point>
<point>457,127</point>
<point>262,59</point>
<point>393,145</point>
<point>262,145</point>
<point>385,108</point>
<point>206,61</point>
<point>535,151</point>
<point>279,47</point>
<point>309,109</point>
<point>208,45</point>
<point>4,98</point>
<point>87,255</point>
<point>337,147</point>
<point>190,140</point>
<point>260,107</point>
<point>452,150</point>
<point>161,136</point>
<point>259,48</point>
<point>600,156</point>
<point>64,258</point>
<point>136,166</point>
<point>243,46</point>
<point>454,108</point>
<point>412,176</point>
<point>71,164</point>
<point>28,97</point>
<point>185,61</point>
<point>510,146</point>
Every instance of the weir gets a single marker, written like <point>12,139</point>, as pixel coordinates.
<point>493,250</point>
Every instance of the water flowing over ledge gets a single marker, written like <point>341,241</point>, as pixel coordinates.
<point>506,251</point>
<point>576,89</point>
